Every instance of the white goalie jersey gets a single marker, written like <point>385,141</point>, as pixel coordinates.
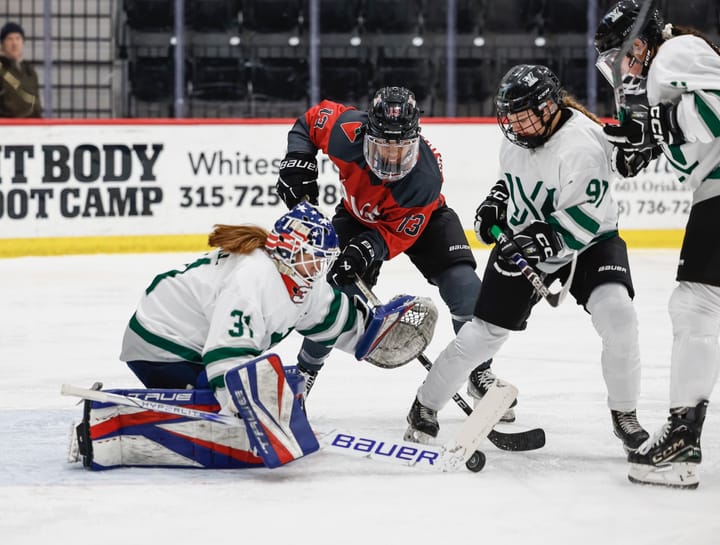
<point>240,308</point>
<point>565,182</point>
<point>686,72</point>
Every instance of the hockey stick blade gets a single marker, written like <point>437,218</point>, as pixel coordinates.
<point>415,455</point>
<point>478,425</point>
<point>554,299</point>
<point>518,441</point>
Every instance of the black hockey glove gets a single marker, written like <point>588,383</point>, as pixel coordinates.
<point>645,128</point>
<point>664,124</point>
<point>537,242</point>
<point>492,211</point>
<point>634,132</point>
<point>629,162</point>
<point>352,262</point>
<point>298,179</point>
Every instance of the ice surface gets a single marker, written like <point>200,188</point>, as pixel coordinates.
<point>62,318</point>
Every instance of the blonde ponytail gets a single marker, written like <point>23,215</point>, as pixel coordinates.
<point>238,239</point>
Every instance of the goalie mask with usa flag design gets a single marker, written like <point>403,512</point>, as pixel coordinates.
<point>303,244</point>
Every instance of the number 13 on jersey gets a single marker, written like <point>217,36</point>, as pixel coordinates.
<point>411,225</point>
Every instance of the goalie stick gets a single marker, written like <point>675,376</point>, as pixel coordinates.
<point>618,89</point>
<point>554,298</point>
<point>431,457</point>
<point>520,441</point>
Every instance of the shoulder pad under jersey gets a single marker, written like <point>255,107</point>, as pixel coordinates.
<point>346,138</point>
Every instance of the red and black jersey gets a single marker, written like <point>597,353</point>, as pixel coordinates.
<point>398,211</point>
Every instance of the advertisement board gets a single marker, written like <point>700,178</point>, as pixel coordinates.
<point>62,183</point>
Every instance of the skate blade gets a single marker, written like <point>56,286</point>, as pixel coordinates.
<point>415,436</point>
<point>674,475</point>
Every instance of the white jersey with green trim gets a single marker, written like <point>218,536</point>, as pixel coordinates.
<point>225,308</point>
<point>564,182</point>
<point>686,72</point>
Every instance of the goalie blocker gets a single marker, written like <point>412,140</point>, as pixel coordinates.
<point>273,431</point>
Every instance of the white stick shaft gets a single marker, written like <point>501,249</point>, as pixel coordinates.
<point>128,401</point>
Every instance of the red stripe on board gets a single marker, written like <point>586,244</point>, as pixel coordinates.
<point>219,121</point>
<point>229,121</point>
<point>150,121</point>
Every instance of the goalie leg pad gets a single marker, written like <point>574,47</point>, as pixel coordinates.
<point>276,425</point>
<point>113,436</point>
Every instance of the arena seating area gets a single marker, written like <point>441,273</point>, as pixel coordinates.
<point>251,58</point>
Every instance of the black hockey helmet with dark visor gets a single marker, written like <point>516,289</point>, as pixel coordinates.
<point>527,88</point>
<point>392,136</point>
<point>614,29</point>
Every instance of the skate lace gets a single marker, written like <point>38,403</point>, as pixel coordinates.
<point>655,439</point>
<point>426,413</point>
<point>483,378</point>
<point>628,422</point>
<point>309,377</point>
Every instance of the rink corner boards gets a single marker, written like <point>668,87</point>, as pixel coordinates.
<point>19,247</point>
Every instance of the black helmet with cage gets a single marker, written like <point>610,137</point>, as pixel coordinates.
<point>392,135</point>
<point>533,88</point>
<point>615,27</point>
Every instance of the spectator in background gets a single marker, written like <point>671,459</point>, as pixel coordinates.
<point>19,88</point>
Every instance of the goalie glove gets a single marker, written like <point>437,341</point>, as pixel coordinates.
<point>492,211</point>
<point>298,179</point>
<point>537,242</point>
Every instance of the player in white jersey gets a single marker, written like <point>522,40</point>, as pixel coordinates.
<point>553,197</point>
<point>236,302</point>
<point>682,69</point>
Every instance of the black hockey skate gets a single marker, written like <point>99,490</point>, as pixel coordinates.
<point>627,428</point>
<point>479,383</point>
<point>423,424</point>
<point>671,456</point>
<point>309,375</point>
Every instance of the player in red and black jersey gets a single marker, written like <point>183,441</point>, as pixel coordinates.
<point>391,180</point>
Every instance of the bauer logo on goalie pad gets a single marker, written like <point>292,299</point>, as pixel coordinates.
<point>164,396</point>
<point>397,331</point>
<point>276,424</point>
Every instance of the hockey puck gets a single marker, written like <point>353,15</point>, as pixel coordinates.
<point>476,462</point>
